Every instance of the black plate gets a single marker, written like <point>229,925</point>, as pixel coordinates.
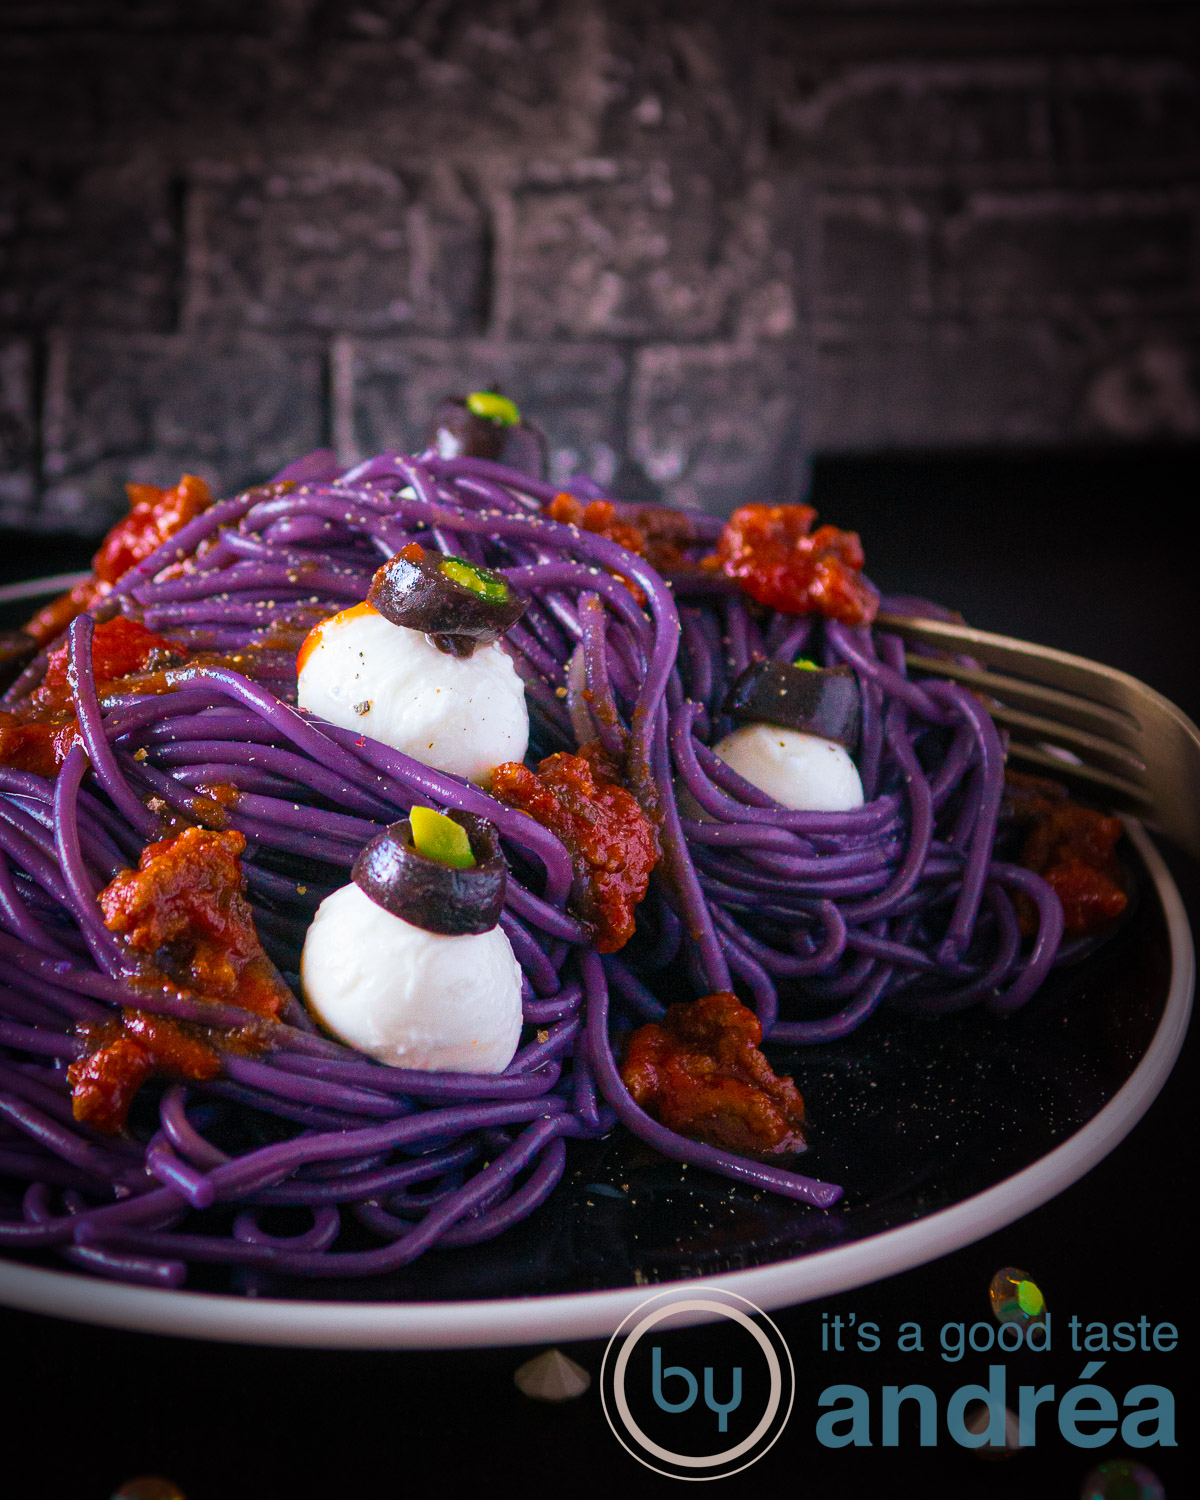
<point>912,1115</point>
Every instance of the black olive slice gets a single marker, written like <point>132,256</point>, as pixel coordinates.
<point>488,425</point>
<point>435,896</point>
<point>814,700</point>
<point>458,604</point>
<point>526,450</point>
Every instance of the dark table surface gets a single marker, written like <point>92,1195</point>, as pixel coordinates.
<point>1078,551</point>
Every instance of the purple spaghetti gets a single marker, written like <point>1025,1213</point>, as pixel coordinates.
<point>817,918</point>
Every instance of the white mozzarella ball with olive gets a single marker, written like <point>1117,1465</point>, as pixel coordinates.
<point>802,772</point>
<point>407,963</point>
<point>408,997</point>
<point>463,714</point>
<point>797,721</point>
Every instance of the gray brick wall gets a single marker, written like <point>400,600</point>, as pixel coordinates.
<point>698,240</point>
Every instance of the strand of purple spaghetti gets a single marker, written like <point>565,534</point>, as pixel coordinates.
<point>538,1083</point>
<point>19,919</point>
<point>82,681</point>
<point>863,893</point>
<point>400,1252</point>
<point>116,1266</point>
<point>718,793</point>
<point>81,893</point>
<point>616,1095</point>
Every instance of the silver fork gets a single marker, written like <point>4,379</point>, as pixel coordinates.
<point>1129,747</point>
<point>38,588</point>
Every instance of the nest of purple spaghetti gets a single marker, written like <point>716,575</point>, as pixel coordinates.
<point>816,919</point>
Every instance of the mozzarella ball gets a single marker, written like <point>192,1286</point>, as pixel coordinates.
<point>464,714</point>
<point>408,997</point>
<point>802,771</point>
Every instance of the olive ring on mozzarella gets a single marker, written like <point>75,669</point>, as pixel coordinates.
<point>823,701</point>
<point>486,424</point>
<point>459,605</point>
<point>460,714</point>
<point>429,893</point>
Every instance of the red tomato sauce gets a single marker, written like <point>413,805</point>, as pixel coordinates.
<point>120,647</point>
<point>183,910</point>
<point>36,746</point>
<point>1072,848</point>
<point>186,897</point>
<point>154,515</point>
<point>39,733</point>
<point>601,519</point>
<point>105,1082</point>
<point>781,562</point>
<point>700,1073</point>
<point>612,845</point>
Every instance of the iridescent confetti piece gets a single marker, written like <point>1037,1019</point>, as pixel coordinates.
<point>1016,1297</point>
<point>148,1487</point>
<point>1122,1479</point>
<point>552,1377</point>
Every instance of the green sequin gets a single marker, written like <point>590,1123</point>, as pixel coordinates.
<point>806,663</point>
<point>1016,1297</point>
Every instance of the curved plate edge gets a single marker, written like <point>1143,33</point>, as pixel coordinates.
<point>586,1315</point>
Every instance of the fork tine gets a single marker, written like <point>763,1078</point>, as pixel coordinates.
<point>1064,708</point>
<point>38,588</point>
<point>1124,795</point>
<point>1050,667</point>
<point>1080,698</point>
<point>1092,747</point>
<point>1125,770</point>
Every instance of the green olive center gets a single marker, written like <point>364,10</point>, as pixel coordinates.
<point>479,580</point>
<point>441,838</point>
<point>493,408</point>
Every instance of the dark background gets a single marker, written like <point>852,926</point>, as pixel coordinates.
<point>950,249</point>
<point>687,235</point>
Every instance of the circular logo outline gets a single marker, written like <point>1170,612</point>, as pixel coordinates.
<point>677,1300</point>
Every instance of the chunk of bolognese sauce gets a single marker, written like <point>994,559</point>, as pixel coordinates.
<point>183,915</point>
<point>612,844</point>
<point>700,1073</point>
<point>40,729</point>
<point>121,648</point>
<point>39,747</point>
<point>776,557</point>
<point>1072,847</point>
<point>125,1055</point>
<point>184,907</point>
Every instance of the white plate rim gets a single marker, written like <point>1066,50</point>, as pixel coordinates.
<point>572,1316</point>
